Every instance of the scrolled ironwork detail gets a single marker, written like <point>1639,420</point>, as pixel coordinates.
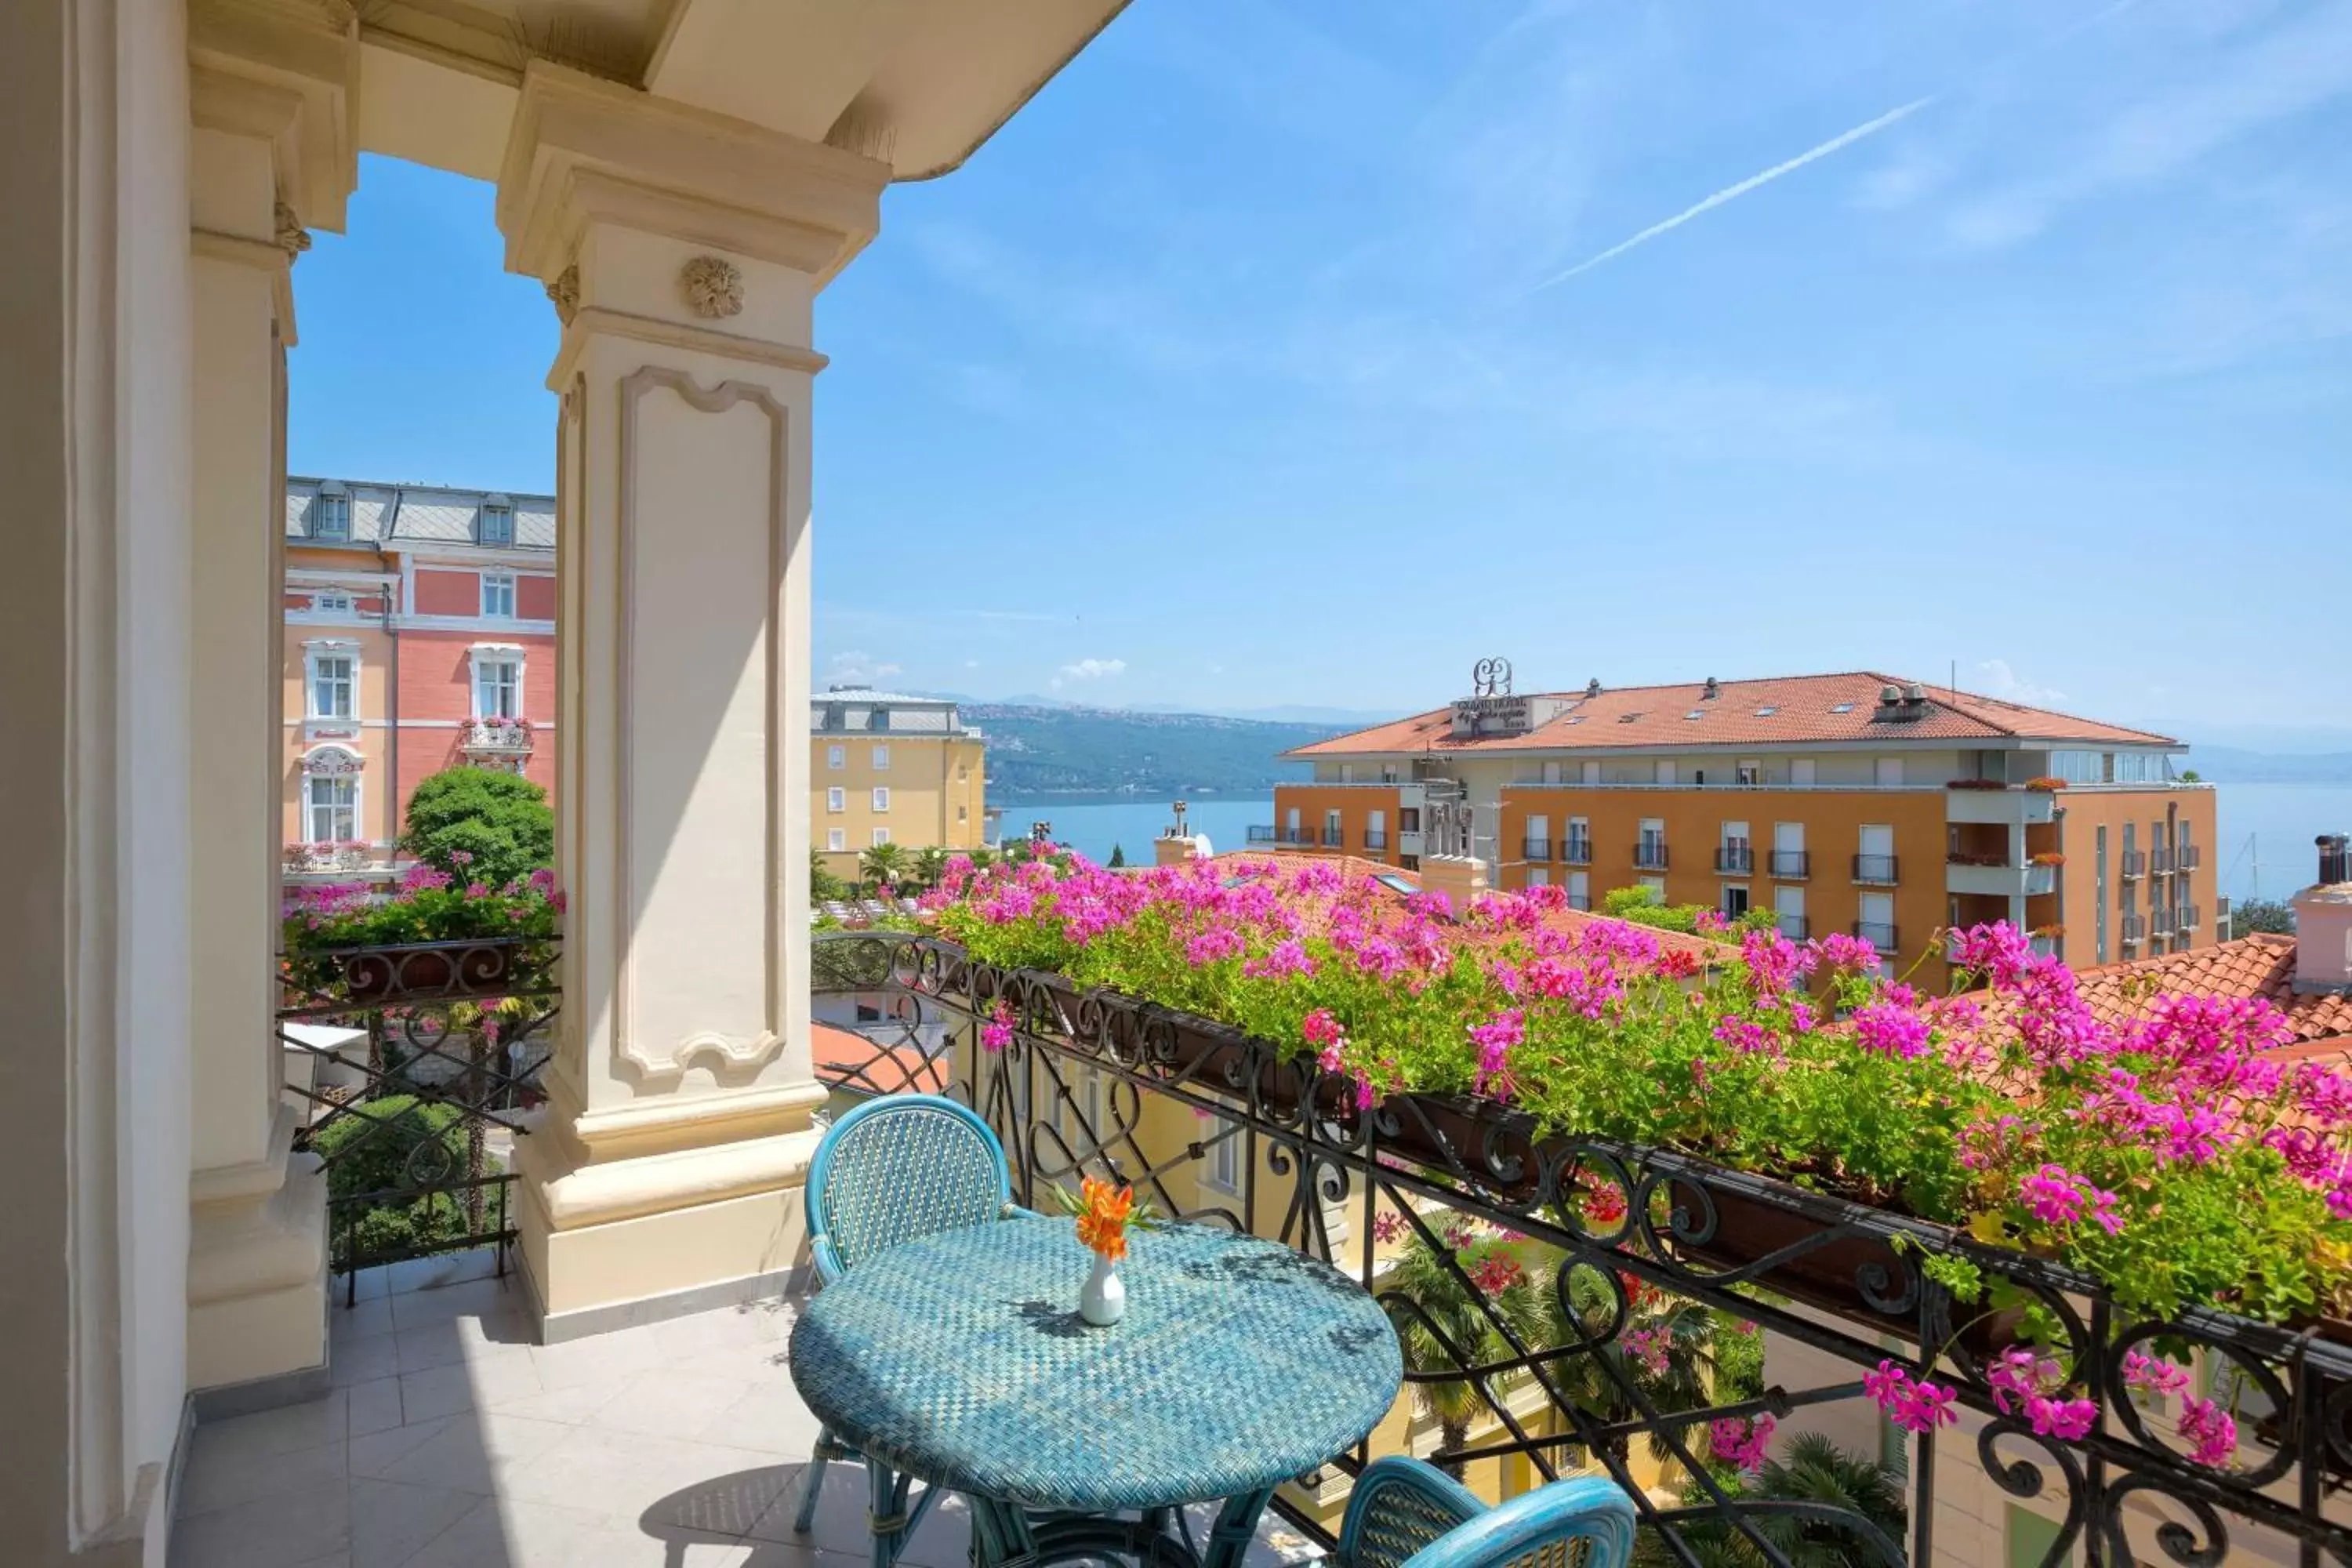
<point>1843,1281</point>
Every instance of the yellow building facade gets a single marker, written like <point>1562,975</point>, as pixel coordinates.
<point>891,769</point>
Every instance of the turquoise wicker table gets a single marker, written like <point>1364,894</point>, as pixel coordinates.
<point>960,1360</point>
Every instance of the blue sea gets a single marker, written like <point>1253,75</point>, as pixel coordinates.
<point>2265,830</point>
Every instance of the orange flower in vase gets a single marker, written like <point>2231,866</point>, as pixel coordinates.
<point>1104,1212</point>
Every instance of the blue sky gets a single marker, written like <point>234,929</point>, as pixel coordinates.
<point>1286,353</point>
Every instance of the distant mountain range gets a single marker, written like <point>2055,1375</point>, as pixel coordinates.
<point>1042,749</point>
<point>1038,753</point>
<point>2227,764</point>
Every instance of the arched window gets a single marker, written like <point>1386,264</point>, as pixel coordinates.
<point>331,794</point>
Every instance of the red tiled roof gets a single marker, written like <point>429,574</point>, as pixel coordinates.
<point>1707,950</point>
<point>856,1062</point>
<point>2259,965</point>
<point>1654,716</point>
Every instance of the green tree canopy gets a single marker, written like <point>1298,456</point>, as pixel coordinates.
<point>480,824</point>
<point>2250,915</point>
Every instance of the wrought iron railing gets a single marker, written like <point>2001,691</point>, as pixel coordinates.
<point>2135,928</point>
<point>1580,901</point>
<point>2133,863</point>
<point>1334,838</point>
<point>1260,833</point>
<point>418,1065</point>
<point>1535,848</point>
<point>2159,862</point>
<point>1880,934</point>
<point>1737,860</point>
<point>1636,1239</point>
<point>1375,840</point>
<point>2191,856</point>
<point>1650,855</point>
<point>1576,851</point>
<point>1793,927</point>
<point>1875,869</point>
<point>1791,864</point>
<point>2186,916</point>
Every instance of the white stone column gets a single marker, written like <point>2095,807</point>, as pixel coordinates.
<point>684,251</point>
<point>267,106</point>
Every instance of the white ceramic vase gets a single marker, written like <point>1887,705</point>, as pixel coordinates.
<point>1104,1301</point>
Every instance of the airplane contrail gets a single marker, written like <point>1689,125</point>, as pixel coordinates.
<point>1732,193</point>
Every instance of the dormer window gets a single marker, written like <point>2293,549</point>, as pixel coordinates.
<point>495,524</point>
<point>331,513</point>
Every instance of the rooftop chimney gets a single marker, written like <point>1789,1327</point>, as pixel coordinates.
<point>2323,923</point>
<point>1914,692</point>
<point>1592,687</point>
<point>1713,689</point>
<point>1888,696</point>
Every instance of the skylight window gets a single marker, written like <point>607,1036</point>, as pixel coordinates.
<point>1766,712</point>
<point>1396,884</point>
<point>1696,714</point>
<point>1842,708</point>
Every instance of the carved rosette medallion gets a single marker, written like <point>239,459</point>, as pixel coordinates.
<point>713,287</point>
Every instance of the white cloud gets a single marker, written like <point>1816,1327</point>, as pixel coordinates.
<point>1094,669</point>
<point>1734,191</point>
<point>852,667</point>
<point>1996,678</point>
<point>2231,94</point>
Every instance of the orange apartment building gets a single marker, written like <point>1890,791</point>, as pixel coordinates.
<point>420,634</point>
<point>1851,802</point>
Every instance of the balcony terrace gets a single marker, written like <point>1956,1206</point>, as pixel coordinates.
<point>458,1433</point>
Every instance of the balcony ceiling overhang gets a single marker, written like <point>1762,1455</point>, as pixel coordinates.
<point>915,84</point>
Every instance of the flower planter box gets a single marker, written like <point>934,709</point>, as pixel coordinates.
<point>484,968</point>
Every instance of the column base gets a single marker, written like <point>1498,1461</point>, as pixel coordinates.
<point>621,1224</point>
<point>257,1271</point>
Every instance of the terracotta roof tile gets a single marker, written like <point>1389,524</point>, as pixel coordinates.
<point>2259,965</point>
<point>1707,950</point>
<point>854,1061</point>
<point>1801,708</point>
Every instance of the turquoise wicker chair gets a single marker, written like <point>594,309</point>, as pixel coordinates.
<point>1406,1512</point>
<point>894,1168</point>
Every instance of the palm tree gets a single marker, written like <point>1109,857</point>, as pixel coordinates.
<point>485,1025</point>
<point>1578,1309</point>
<point>1813,1470</point>
<point>884,865</point>
<point>823,883</point>
<point>931,865</point>
<point>1816,1470</point>
<point>1431,1308</point>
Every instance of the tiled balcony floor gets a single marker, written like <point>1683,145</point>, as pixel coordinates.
<point>451,1441</point>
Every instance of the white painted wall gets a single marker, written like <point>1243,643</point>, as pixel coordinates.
<point>94,370</point>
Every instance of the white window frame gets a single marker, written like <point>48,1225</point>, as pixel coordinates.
<point>881,759</point>
<point>836,840</point>
<point>313,654</point>
<point>312,807</point>
<point>881,798</point>
<point>505,582</point>
<point>1224,1165</point>
<point>837,757</point>
<point>505,512</point>
<point>881,837</point>
<point>836,799</point>
<point>487,658</point>
<point>330,601</point>
<point>335,504</point>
